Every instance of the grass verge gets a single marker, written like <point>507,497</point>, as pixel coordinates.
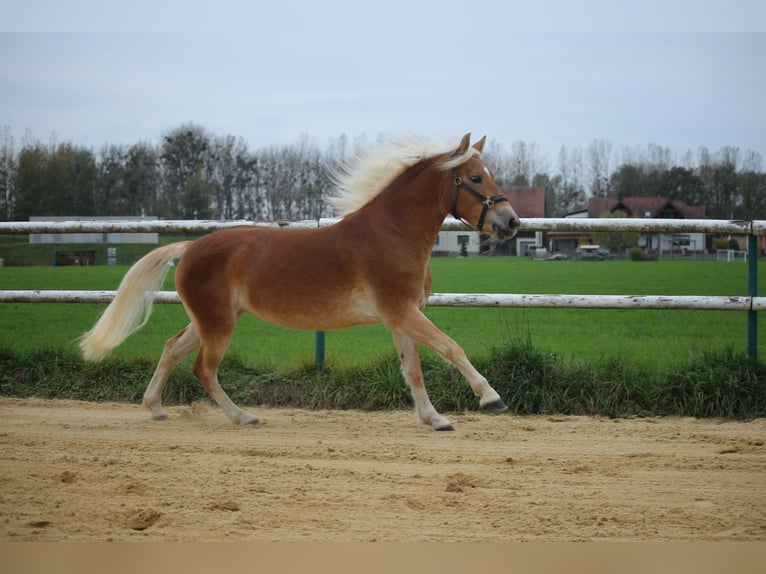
<point>714,384</point>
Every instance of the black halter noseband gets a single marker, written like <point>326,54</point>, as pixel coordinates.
<point>487,201</point>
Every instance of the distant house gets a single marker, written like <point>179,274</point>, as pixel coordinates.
<point>451,243</point>
<point>526,201</point>
<point>81,256</point>
<point>638,207</point>
<point>646,207</point>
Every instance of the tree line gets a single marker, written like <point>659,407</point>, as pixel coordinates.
<point>193,174</point>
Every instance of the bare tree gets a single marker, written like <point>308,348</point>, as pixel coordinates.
<point>571,196</point>
<point>228,172</point>
<point>599,158</point>
<point>8,167</point>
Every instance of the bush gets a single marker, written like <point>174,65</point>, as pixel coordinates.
<point>721,243</point>
<point>636,254</point>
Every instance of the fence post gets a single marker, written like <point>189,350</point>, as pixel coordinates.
<point>319,355</point>
<point>752,291</point>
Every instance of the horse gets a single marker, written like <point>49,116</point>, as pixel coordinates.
<point>371,266</point>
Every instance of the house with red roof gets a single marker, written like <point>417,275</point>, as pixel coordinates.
<point>527,202</point>
<point>638,207</point>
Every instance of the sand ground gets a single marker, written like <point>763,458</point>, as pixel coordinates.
<point>76,471</point>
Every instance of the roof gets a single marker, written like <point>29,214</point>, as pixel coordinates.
<point>526,201</point>
<point>646,207</point>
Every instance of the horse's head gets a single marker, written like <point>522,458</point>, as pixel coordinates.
<point>476,199</point>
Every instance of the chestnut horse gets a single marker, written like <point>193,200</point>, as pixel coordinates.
<point>369,267</point>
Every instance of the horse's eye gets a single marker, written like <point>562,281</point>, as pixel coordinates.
<point>475,179</point>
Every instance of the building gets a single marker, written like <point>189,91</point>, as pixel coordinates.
<point>638,207</point>
<point>87,256</point>
<point>527,202</point>
<point>451,242</point>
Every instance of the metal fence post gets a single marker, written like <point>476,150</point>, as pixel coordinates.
<point>319,355</point>
<point>752,291</point>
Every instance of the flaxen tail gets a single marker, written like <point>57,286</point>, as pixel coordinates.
<point>131,307</point>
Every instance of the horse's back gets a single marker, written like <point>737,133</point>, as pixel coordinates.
<point>237,256</point>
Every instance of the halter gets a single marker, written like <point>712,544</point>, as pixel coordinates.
<point>487,201</point>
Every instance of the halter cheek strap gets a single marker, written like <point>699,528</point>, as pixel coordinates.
<point>487,201</point>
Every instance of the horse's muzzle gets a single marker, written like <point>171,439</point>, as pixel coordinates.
<point>506,228</point>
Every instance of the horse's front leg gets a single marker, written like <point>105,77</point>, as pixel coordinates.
<point>419,328</point>
<point>413,375</point>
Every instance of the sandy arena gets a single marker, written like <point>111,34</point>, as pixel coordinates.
<point>72,471</point>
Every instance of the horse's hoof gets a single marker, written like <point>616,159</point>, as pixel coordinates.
<point>253,422</point>
<point>447,427</point>
<point>162,417</point>
<point>497,406</point>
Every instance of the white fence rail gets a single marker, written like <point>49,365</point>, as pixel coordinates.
<point>718,226</point>
<point>750,303</point>
<point>702,302</point>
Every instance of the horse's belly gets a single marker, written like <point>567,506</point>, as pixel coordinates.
<point>316,313</point>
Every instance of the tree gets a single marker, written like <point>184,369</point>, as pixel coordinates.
<point>197,198</point>
<point>314,182</point>
<point>752,187</point>
<point>31,193</point>
<point>681,183</point>
<point>8,169</point>
<point>71,177</point>
<point>719,181</point>
<point>184,155</point>
<point>571,194</point>
<point>193,174</point>
<point>110,198</point>
<point>627,181</point>
<point>57,181</point>
<point>659,158</point>
<point>228,174</point>
<point>516,168</point>
<point>552,186</point>
<point>142,180</point>
<point>599,156</point>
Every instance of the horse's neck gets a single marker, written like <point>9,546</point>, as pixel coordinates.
<point>413,207</point>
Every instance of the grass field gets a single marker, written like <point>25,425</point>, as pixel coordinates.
<point>650,338</point>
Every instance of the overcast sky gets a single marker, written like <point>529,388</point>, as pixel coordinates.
<point>678,74</point>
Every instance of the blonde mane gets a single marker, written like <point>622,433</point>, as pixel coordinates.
<point>364,176</point>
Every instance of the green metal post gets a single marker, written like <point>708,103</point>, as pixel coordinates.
<point>752,291</point>
<point>319,351</point>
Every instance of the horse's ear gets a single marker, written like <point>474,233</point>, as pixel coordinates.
<point>479,145</point>
<point>464,143</point>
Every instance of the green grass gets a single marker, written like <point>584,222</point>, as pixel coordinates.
<point>651,338</point>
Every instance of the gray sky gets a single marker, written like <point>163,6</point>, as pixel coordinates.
<point>678,74</point>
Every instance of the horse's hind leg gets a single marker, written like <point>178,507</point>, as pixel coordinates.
<point>410,358</point>
<point>205,369</point>
<point>175,350</point>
